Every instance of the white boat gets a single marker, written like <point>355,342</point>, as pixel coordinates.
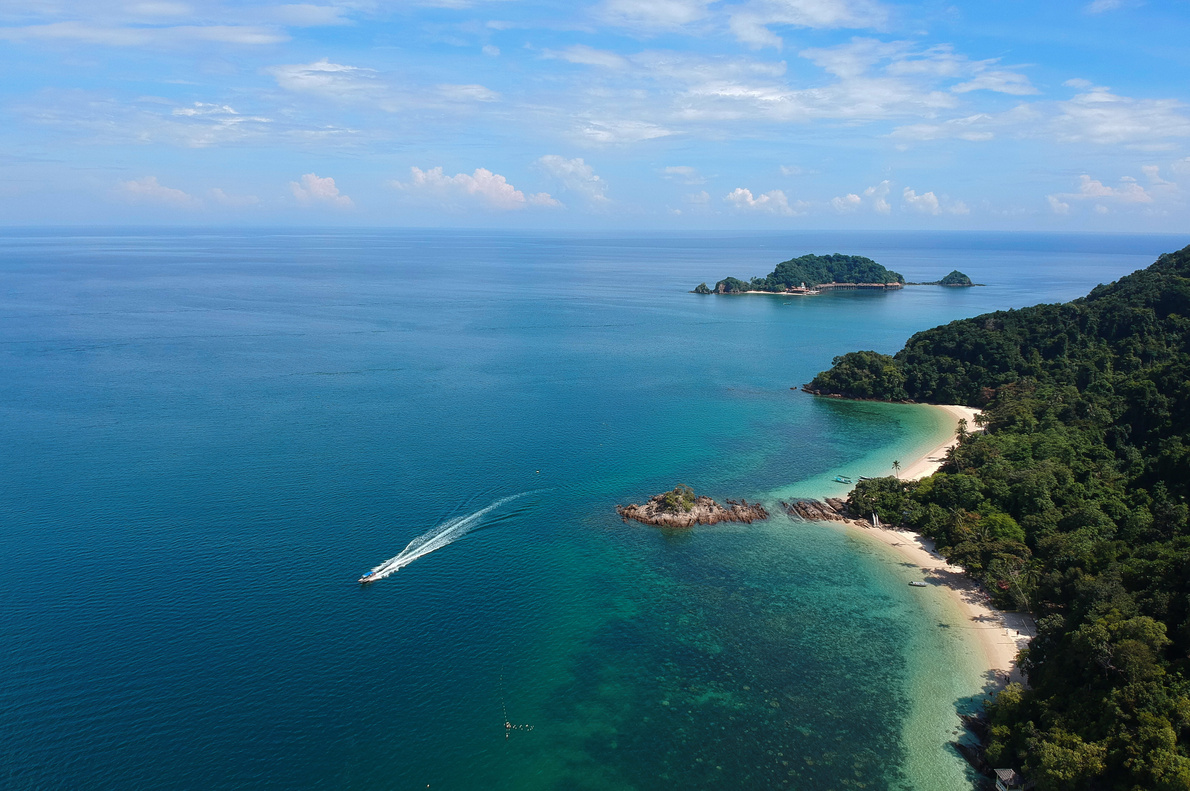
<point>917,584</point>
<point>369,577</point>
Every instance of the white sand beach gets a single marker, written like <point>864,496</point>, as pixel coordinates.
<point>929,463</point>
<point>1000,635</point>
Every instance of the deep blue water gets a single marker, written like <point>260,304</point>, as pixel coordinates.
<point>208,436</point>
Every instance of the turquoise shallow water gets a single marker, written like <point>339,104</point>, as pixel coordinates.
<point>209,436</point>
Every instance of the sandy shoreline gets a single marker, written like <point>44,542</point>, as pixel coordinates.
<point>932,460</point>
<point>999,635</point>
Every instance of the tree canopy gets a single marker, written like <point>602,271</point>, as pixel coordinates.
<point>1073,505</point>
<point>955,278</point>
<point>814,270</point>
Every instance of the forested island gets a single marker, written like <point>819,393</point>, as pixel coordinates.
<point>1072,505</point>
<point>811,272</point>
<point>954,279</point>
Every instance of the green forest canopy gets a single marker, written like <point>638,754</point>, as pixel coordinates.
<point>813,270</point>
<point>1072,505</point>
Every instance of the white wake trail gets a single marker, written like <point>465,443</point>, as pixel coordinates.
<point>449,531</point>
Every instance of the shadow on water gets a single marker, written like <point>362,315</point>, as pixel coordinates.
<point>969,736</point>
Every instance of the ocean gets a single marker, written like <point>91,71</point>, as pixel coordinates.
<point>209,435</point>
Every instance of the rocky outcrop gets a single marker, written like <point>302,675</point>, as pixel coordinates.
<point>704,511</point>
<point>833,510</point>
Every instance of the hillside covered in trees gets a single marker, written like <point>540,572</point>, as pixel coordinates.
<point>1073,505</point>
<point>813,270</point>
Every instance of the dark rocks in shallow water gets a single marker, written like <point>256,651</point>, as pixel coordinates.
<point>704,511</point>
<point>973,753</point>
<point>833,510</point>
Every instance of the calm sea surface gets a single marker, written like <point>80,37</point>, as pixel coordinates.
<point>206,437</point>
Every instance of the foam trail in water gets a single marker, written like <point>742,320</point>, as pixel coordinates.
<point>438,537</point>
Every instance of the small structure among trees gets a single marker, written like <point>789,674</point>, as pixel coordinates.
<point>1011,780</point>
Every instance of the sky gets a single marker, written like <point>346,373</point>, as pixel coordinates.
<point>600,114</point>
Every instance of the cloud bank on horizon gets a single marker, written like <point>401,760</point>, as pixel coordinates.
<point>767,114</point>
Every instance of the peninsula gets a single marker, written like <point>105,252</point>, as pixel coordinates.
<point>1070,505</point>
<point>682,508</point>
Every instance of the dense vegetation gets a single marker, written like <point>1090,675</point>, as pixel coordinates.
<point>1072,504</point>
<point>812,270</point>
<point>955,278</point>
<point>680,499</point>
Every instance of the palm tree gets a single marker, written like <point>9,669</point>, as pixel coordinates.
<point>897,469</point>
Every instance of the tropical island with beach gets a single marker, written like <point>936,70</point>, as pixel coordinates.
<point>812,274</point>
<point>1069,503</point>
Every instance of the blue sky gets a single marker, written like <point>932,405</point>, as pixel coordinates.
<point>642,114</point>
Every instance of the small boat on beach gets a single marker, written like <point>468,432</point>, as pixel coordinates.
<point>842,479</point>
<point>917,584</point>
<point>866,478</point>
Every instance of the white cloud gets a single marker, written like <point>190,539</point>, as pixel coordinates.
<point>1153,174</point>
<point>149,190</point>
<point>1102,117</point>
<point>1010,82</point>
<point>491,50</point>
<point>576,176</point>
<point>313,189</point>
<point>1057,205</point>
<point>623,131</point>
<point>1099,6</point>
<point>1079,83</point>
<point>334,80</point>
<point>588,56</point>
<point>160,9</point>
<point>929,203</point>
<point>847,203</point>
<point>234,201</point>
<point>653,14</point>
<point>926,203</point>
<point>489,189</point>
<point>1181,166</point>
<point>115,36</point>
<point>750,21</point>
<point>99,119</point>
<point>204,124</point>
<point>878,193</point>
<point>684,174</point>
<point>309,15</point>
<point>472,93</point>
<point>1129,191</point>
<point>771,202</point>
<point>972,128</point>
<point>700,198</point>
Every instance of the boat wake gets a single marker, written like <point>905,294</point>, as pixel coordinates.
<point>448,532</point>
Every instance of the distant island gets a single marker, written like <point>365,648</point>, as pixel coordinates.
<point>812,274</point>
<point>682,508</point>
<point>955,278</point>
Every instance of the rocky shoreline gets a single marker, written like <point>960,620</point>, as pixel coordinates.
<point>660,511</point>
<point>703,511</point>
<point>829,509</point>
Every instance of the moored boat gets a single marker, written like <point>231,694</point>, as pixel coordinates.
<point>917,584</point>
<point>842,479</point>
